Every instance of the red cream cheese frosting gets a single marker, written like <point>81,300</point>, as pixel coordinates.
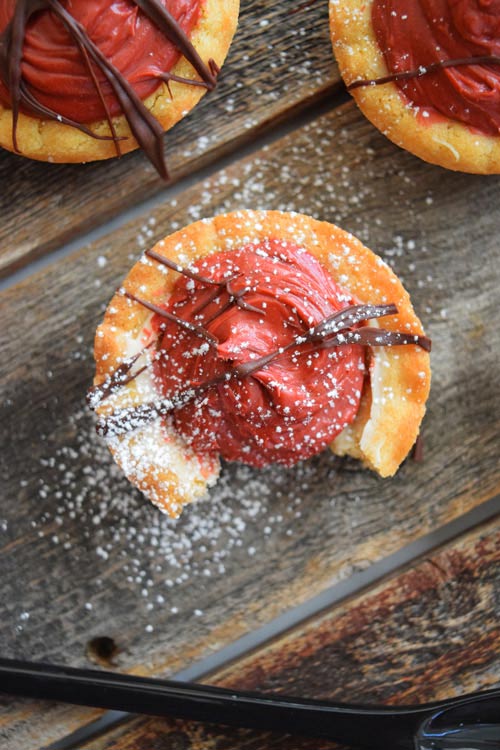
<point>294,406</point>
<point>55,70</point>
<point>417,33</point>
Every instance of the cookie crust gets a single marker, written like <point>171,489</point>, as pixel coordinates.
<point>447,143</point>
<point>48,140</point>
<point>392,404</point>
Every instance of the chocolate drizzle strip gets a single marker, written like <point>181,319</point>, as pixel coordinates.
<point>117,379</point>
<point>145,127</point>
<point>236,297</point>
<point>199,330</point>
<point>336,330</point>
<point>423,70</point>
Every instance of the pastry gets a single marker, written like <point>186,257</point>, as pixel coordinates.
<point>427,74</point>
<point>91,79</point>
<point>260,337</point>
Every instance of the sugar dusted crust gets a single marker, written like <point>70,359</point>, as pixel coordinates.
<point>392,406</point>
<point>448,143</point>
<point>47,140</point>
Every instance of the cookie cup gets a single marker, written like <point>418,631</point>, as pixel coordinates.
<point>155,457</point>
<point>48,140</point>
<point>443,141</point>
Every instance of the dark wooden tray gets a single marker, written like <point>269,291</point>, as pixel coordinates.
<point>82,555</point>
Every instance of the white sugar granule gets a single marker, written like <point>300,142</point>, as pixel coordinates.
<point>100,516</point>
<point>89,508</point>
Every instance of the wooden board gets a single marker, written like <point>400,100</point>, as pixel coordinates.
<point>280,62</point>
<point>82,555</point>
<point>429,633</point>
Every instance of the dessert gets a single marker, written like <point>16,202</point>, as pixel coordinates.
<point>260,337</point>
<point>427,74</point>
<point>91,79</point>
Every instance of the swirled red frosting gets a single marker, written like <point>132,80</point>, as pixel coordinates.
<point>294,406</point>
<point>56,72</point>
<point>417,33</point>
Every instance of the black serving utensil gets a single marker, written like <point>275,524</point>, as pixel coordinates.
<point>471,722</point>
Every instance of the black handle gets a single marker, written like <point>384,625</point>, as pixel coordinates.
<point>472,722</point>
<point>364,726</point>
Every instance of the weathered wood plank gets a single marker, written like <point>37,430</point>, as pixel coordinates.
<point>76,536</point>
<point>279,63</point>
<point>430,633</point>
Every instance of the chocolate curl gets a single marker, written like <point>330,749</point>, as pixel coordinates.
<point>161,17</point>
<point>192,327</point>
<point>368,336</point>
<point>340,324</point>
<point>116,379</point>
<point>14,44</point>
<point>336,330</point>
<point>349,317</point>
<point>113,382</point>
<point>145,127</point>
<point>133,417</point>
<point>126,420</point>
<point>180,269</point>
<point>423,70</point>
<point>102,98</point>
<point>234,296</point>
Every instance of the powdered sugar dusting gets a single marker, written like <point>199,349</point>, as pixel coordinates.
<point>151,553</point>
<point>83,505</point>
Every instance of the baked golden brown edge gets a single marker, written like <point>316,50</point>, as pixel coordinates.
<point>447,143</point>
<point>47,140</point>
<point>393,404</point>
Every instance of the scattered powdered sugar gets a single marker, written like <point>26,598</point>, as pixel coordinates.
<point>91,508</point>
<point>87,506</point>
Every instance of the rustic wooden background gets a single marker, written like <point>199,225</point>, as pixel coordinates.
<point>83,556</point>
<point>421,635</point>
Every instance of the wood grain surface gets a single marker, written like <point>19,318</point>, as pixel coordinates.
<point>83,555</point>
<point>279,63</point>
<point>429,633</point>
